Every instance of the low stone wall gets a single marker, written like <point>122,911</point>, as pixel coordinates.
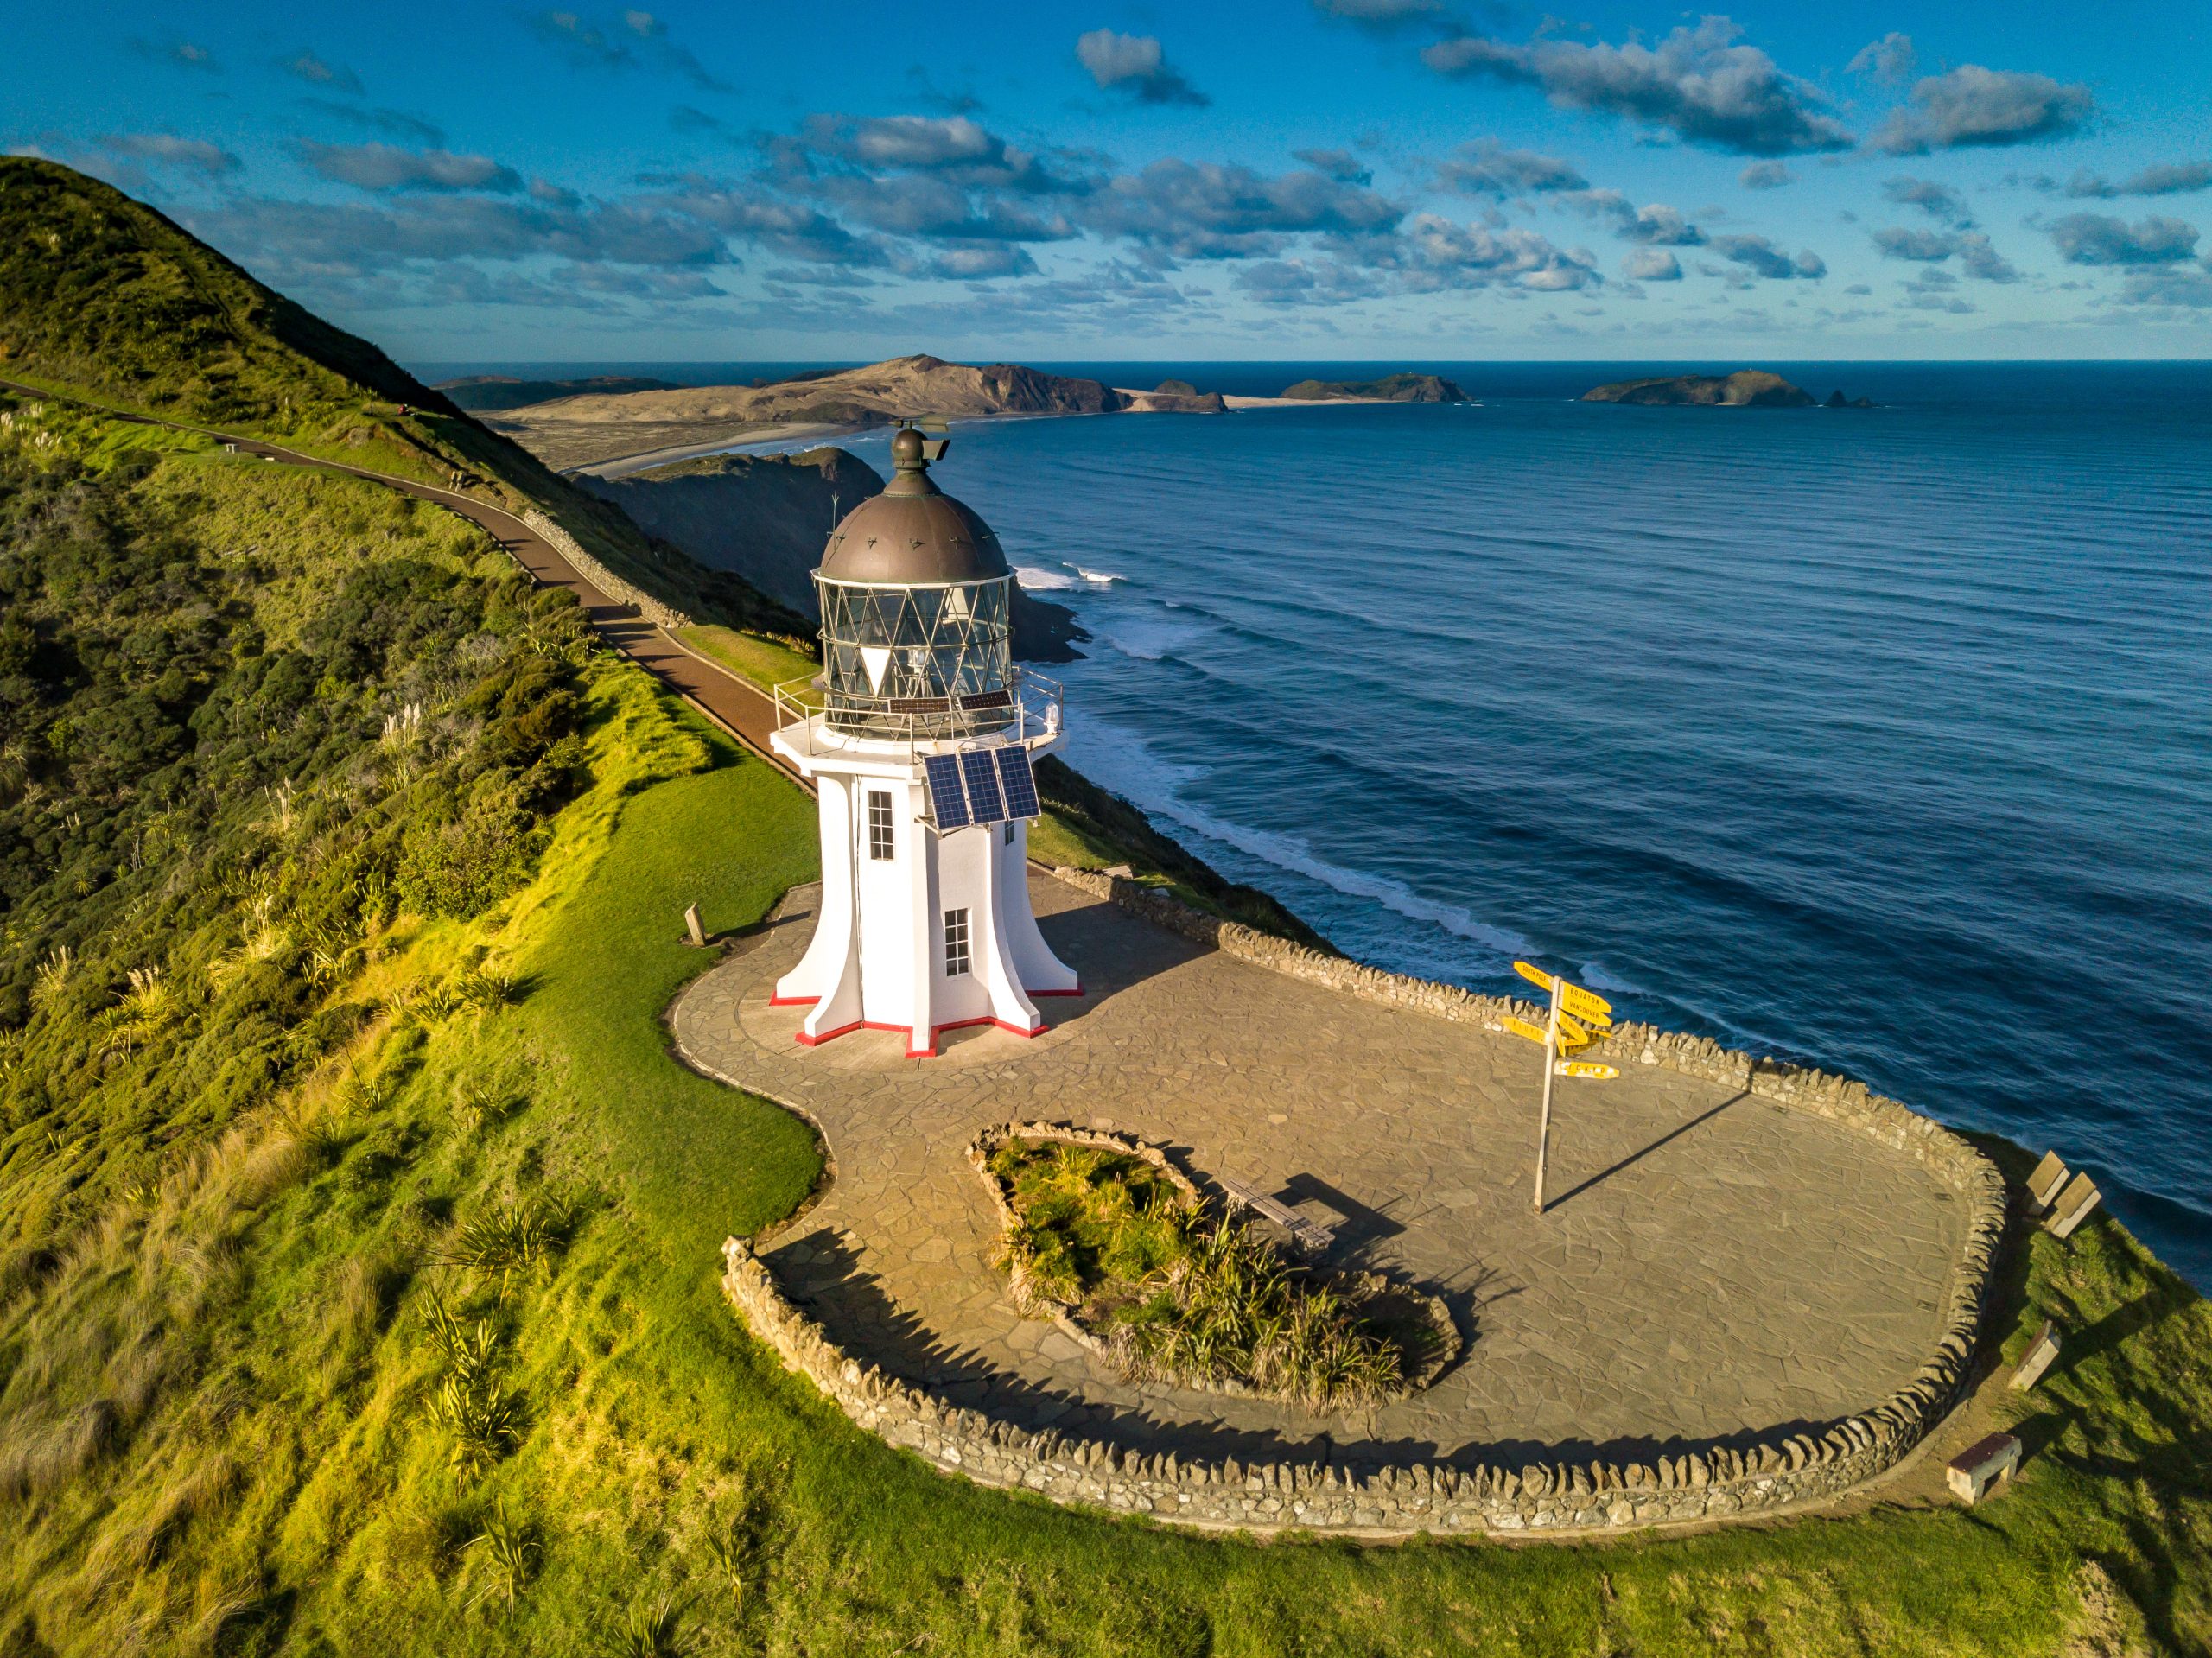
<point>599,576</point>
<point>1708,1480</point>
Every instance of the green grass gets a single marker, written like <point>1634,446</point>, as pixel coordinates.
<point>290,1489</point>
<point>1093,1221</point>
<point>767,662</point>
<point>1178,1291</point>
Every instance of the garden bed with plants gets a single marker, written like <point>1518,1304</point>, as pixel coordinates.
<point>1105,1236</point>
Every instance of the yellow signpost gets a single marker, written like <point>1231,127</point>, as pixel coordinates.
<point>1572,1009</point>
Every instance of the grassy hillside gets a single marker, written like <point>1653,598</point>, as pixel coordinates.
<point>357,1233</point>
<point>102,297</point>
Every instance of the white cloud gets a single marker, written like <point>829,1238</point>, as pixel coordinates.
<point>1971,107</point>
<point>1697,82</point>
<point>1135,64</point>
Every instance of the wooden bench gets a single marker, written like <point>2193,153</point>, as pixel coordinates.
<point>1309,1237</point>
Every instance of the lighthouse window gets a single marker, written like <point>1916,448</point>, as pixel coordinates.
<point>878,824</point>
<point>956,944</point>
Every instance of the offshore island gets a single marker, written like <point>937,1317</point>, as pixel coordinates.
<point>374,1255</point>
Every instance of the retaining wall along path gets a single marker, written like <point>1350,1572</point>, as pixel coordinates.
<point>1747,1474</point>
<point>599,576</point>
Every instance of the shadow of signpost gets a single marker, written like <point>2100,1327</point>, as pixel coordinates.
<point>1636,1157</point>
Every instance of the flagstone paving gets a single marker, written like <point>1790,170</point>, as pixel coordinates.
<point>1711,1263</point>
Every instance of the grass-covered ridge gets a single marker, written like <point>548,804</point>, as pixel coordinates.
<point>104,298</point>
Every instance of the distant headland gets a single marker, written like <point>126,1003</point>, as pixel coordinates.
<point>481,393</point>
<point>613,427</point>
<point>1747,387</point>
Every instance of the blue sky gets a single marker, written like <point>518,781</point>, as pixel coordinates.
<point>1364,179</point>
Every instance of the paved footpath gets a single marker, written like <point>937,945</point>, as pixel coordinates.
<point>1712,1263</point>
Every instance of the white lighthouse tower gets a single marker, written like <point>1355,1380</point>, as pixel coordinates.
<point>919,736</point>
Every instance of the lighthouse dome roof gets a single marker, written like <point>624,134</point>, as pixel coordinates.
<point>912,535</point>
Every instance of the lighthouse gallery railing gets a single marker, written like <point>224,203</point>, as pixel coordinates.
<point>1028,709</point>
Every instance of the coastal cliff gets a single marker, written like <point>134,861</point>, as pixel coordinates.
<point>1749,388</point>
<point>765,518</point>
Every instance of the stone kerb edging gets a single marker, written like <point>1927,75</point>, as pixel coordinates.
<point>1704,1480</point>
<point>1443,1350</point>
<point>599,576</point>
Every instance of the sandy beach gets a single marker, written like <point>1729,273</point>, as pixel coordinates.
<point>623,466</point>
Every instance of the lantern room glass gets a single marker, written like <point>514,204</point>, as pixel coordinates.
<point>917,661</point>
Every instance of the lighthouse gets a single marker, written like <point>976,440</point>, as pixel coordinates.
<point>919,736</point>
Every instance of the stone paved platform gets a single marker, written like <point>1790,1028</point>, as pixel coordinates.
<point>1712,1263</point>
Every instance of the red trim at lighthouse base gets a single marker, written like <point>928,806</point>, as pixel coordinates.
<point>912,1053</point>
<point>1076,992</point>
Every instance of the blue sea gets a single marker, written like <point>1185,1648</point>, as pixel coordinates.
<point>1880,739</point>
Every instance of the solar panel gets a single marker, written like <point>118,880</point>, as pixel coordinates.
<point>946,796</point>
<point>982,777</point>
<point>1019,783</point>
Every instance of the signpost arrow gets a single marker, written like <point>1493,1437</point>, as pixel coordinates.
<point>1562,1033</point>
<point>1583,1004</point>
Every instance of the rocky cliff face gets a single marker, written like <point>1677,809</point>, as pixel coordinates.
<point>766,518</point>
<point>1750,388</point>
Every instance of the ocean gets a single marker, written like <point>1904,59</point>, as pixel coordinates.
<point>1876,738</point>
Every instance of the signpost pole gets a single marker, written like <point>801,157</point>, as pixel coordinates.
<point>1544,1123</point>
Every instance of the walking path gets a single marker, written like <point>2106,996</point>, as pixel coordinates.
<point>741,708</point>
<point>1712,1264</point>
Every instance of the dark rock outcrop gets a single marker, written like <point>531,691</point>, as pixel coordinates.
<point>1837,400</point>
<point>766,517</point>
<point>1749,388</point>
<point>1391,388</point>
